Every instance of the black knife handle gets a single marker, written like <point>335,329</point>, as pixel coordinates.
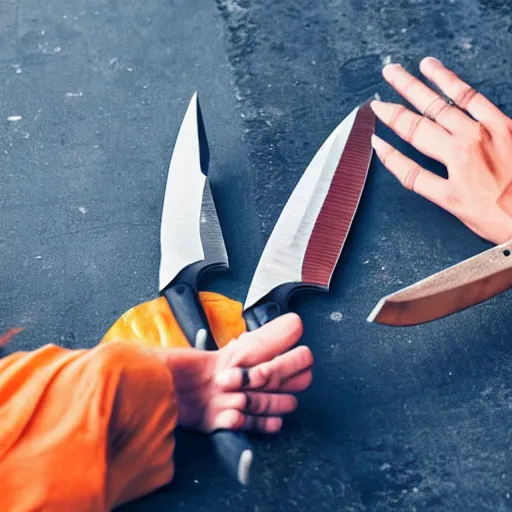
<point>235,452</point>
<point>262,314</point>
<point>185,305</point>
<point>270,307</point>
<point>233,448</point>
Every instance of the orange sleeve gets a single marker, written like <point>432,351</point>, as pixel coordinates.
<point>84,429</point>
<point>152,323</point>
<point>91,429</point>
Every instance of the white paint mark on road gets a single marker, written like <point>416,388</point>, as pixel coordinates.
<point>336,316</point>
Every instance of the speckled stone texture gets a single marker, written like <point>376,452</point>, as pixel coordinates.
<point>413,419</point>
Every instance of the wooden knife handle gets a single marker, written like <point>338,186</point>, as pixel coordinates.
<point>232,448</point>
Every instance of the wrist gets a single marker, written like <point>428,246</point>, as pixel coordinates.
<point>500,229</point>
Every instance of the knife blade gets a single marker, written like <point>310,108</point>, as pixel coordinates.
<point>454,289</point>
<point>191,240</point>
<point>191,243</point>
<point>306,242</point>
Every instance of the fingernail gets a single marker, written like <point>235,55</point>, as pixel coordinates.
<point>429,60</point>
<point>389,69</point>
<point>391,65</point>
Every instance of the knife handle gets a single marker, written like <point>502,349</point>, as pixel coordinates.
<point>184,303</point>
<point>235,452</point>
<point>269,307</point>
<point>233,448</point>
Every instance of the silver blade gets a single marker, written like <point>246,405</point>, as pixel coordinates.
<point>282,259</point>
<point>463,285</point>
<point>190,231</point>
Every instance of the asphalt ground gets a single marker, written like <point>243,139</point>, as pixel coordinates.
<point>409,419</point>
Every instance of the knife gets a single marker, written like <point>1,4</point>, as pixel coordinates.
<point>306,242</point>
<point>191,244</point>
<point>458,287</point>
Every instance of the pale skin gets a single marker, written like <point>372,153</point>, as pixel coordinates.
<point>472,138</point>
<point>210,384</point>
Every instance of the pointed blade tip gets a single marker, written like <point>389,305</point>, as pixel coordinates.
<point>372,317</point>
<point>338,133</point>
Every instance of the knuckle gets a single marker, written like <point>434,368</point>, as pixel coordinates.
<point>464,96</point>
<point>263,374</point>
<point>398,112</point>
<point>413,127</point>
<point>439,108</point>
<point>252,403</point>
<point>386,154</point>
<point>406,83</point>
<point>262,404</point>
<point>476,136</point>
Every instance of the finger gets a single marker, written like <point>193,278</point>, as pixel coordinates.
<point>231,419</point>
<point>269,375</point>
<point>268,341</point>
<point>297,383</point>
<point>410,174</point>
<point>255,403</point>
<point>425,135</point>
<point>270,425</point>
<point>272,375</point>
<point>428,102</point>
<point>461,93</point>
<point>235,420</point>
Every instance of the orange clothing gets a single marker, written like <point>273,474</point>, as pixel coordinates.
<point>152,323</point>
<point>88,430</point>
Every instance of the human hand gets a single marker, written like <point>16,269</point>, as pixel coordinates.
<point>214,391</point>
<point>468,134</point>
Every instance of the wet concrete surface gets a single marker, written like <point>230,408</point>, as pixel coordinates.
<point>409,419</point>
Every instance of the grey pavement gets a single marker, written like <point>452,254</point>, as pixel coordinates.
<point>91,97</point>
